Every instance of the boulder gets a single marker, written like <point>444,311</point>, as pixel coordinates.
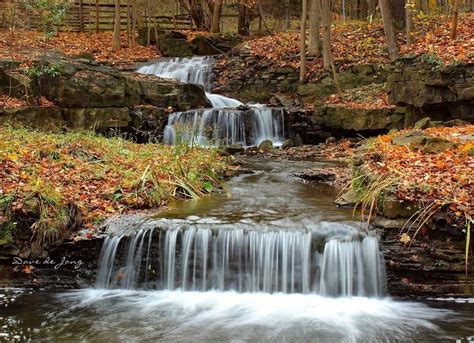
<point>265,145</point>
<point>174,44</point>
<point>288,143</point>
<point>393,208</point>
<point>423,123</point>
<point>347,199</point>
<point>234,149</point>
<point>89,85</point>
<point>417,140</point>
<point>204,46</point>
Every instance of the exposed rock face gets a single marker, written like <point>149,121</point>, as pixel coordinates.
<point>356,76</point>
<point>214,44</point>
<point>251,79</point>
<point>78,272</point>
<point>92,96</point>
<point>44,118</point>
<point>342,118</point>
<point>432,266</point>
<point>443,93</point>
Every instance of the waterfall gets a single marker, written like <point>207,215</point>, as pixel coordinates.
<point>200,259</point>
<point>229,122</point>
<point>225,127</point>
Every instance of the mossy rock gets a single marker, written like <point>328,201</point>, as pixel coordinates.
<point>266,145</point>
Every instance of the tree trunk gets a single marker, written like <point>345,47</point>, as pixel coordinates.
<point>216,16</point>
<point>304,15</point>
<point>362,9</point>
<point>314,42</point>
<point>409,22</point>
<point>244,21</point>
<point>454,21</point>
<point>326,24</point>
<point>287,14</point>
<point>389,29</point>
<point>397,9</point>
<point>116,43</point>
<point>372,4</point>
<point>196,11</point>
<point>137,7</point>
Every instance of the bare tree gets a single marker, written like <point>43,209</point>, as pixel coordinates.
<point>409,4</point>
<point>116,42</point>
<point>389,29</point>
<point>216,16</point>
<point>243,26</point>
<point>454,20</point>
<point>304,15</point>
<point>326,25</point>
<point>314,41</point>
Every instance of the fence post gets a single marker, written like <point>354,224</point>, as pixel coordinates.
<point>97,16</point>
<point>81,18</point>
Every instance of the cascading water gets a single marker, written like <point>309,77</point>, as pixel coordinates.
<point>227,123</point>
<point>200,259</point>
<point>275,262</point>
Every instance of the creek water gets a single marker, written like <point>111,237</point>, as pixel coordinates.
<point>269,260</point>
<point>244,243</point>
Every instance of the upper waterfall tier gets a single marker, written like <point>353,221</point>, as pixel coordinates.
<point>197,70</point>
<point>228,123</point>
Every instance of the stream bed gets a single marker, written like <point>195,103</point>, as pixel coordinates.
<point>233,267</point>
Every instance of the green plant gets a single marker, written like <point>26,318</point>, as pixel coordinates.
<point>50,14</point>
<point>52,216</point>
<point>44,70</point>
<point>432,60</point>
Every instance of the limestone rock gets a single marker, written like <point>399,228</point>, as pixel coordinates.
<point>343,118</point>
<point>97,118</point>
<point>234,149</point>
<point>445,93</point>
<point>423,123</point>
<point>174,44</point>
<point>44,118</point>
<point>393,208</point>
<point>347,199</point>
<point>417,140</point>
<point>288,143</point>
<point>265,145</point>
<point>204,46</point>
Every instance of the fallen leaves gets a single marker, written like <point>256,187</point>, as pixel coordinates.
<point>445,178</point>
<point>98,176</point>
<point>433,39</point>
<point>25,44</point>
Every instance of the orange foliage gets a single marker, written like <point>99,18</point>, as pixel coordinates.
<point>445,178</point>
<point>23,44</point>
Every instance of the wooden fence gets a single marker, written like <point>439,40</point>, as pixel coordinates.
<point>94,15</point>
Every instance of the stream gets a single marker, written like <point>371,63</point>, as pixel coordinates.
<point>268,259</point>
<point>181,308</point>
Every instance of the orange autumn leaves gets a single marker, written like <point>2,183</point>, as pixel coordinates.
<point>22,44</point>
<point>360,42</point>
<point>445,178</point>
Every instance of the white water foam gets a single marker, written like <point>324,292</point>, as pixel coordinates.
<point>232,316</point>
